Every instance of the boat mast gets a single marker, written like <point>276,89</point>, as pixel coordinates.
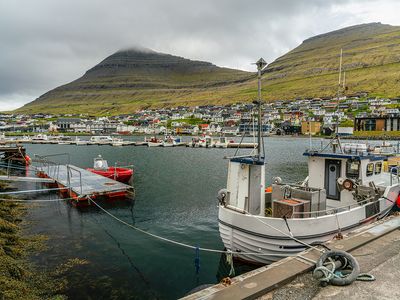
<point>338,91</point>
<point>261,64</point>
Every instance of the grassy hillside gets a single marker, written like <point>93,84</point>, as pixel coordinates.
<point>132,79</point>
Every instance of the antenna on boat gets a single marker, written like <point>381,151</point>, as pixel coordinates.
<point>261,64</point>
<point>338,101</point>
<point>338,91</point>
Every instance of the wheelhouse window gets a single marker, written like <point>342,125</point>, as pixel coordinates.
<point>370,169</point>
<point>352,168</point>
<point>378,168</point>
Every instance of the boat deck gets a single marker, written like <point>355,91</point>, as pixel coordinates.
<point>83,183</point>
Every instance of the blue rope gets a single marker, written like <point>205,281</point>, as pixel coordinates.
<point>197,260</point>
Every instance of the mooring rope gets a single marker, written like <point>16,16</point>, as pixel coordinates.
<point>286,234</point>
<point>227,252</point>
<point>13,166</point>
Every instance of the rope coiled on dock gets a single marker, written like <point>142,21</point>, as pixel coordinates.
<point>339,268</point>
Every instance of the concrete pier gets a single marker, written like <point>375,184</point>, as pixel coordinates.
<point>380,258</point>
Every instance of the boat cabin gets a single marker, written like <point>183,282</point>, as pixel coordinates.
<point>338,173</point>
<point>100,163</point>
<point>245,190</point>
<point>335,180</point>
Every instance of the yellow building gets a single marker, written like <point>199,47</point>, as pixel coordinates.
<point>310,127</point>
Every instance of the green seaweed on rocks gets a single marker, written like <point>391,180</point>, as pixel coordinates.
<point>19,278</point>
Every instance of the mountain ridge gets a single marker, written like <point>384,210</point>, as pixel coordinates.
<point>139,78</point>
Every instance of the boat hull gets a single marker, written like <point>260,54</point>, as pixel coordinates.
<point>119,174</point>
<point>154,144</point>
<point>269,239</point>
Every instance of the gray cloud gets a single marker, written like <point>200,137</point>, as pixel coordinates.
<point>46,43</point>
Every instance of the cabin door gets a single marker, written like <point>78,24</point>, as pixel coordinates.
<point>332,173</point>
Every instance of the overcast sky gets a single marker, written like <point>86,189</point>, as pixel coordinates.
<point>46,43</point>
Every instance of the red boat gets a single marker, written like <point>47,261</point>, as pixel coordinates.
<point>101,167</point>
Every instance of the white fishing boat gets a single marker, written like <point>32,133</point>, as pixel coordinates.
<point>346,187</point>
<point>222,142</point>
<point>206,142</point>
<point>117,142</point>
<point>39,138</point>
<point>23,139</point>
<point>101,140</point>
<point>65,140</point>
<point>169,141</point>
<point>154,142</point>
<point>386,149</point>
<point>194,143</point>
<point>80,142</point>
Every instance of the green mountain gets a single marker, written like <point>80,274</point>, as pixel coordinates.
<point>371,56</point>
<point>137,78</point>
<point>133,78</point>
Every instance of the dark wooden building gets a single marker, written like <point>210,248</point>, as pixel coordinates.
<point>377,123</point>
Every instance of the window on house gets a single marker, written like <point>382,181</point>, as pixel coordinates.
<point>378,168</point>
<point>370,169</point>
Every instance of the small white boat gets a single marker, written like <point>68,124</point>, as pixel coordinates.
<point>169,141</point>
<point>154,142</point>
<point>194,143</point>
<point>206,142</point>
<point>23,139</point>
<point>222,142</point>
<point>385,149</point>
<point>40,137</point>
<point>101,140</point>
<point>116,142</point>
<point>80,142</point>
<point>65,140</point>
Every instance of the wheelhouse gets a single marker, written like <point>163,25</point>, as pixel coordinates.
<point>339,173</point>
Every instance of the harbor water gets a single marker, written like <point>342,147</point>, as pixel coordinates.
<point>175,198</point>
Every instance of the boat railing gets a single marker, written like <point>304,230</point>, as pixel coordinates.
<point>299,185</point>
<point>335,210</point>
